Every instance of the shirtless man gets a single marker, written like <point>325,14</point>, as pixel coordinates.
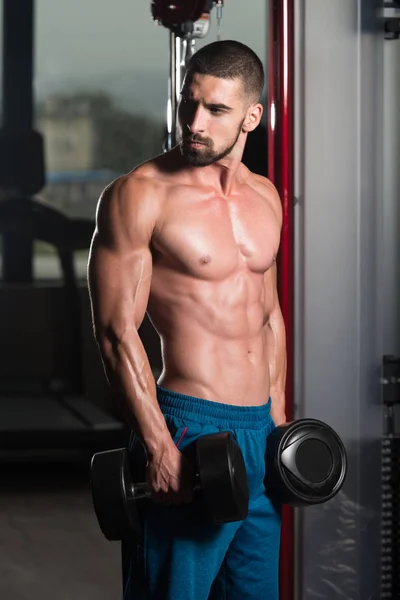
<point>191,236</point>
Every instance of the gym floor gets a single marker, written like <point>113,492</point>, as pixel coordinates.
<point>50,544</point>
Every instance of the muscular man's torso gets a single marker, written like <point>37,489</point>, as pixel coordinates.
<point>208,299</point>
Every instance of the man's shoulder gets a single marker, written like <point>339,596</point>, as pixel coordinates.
<point>264,186</point>
<point>131,196</point>
<point>159,172</point>
<point>144,190</point>
<point>137,186</point>
<point>267,189</point>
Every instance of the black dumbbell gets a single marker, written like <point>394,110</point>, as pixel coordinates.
<point>221,476</point>
<point>306,463</point>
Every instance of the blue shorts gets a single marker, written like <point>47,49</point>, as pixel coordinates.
<point>184,556</point>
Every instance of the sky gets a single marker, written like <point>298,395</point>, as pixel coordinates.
<point>115,46</point>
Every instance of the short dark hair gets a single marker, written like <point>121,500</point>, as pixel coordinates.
<point>229,59</point>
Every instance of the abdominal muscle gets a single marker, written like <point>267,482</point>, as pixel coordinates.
<point>221,360</point>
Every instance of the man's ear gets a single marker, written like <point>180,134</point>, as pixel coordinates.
<point>253,117</point>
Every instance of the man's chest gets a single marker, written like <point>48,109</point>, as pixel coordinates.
<point>210,238</point>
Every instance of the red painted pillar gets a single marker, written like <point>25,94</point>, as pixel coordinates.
<point>281,173</point>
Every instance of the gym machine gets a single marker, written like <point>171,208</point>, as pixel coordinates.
<point>391,19</point>
<point>187,21</point>
<point>390,461</point>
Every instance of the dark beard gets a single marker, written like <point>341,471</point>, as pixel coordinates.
<point>206,156</point>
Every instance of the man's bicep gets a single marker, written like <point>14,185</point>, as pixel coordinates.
<point>120,264</point>
<point>119,286</point>
<point>104,286</point>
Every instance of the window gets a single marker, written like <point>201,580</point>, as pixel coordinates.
<point>101,84</point>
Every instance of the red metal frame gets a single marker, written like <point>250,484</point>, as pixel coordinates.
<point>281,173</point>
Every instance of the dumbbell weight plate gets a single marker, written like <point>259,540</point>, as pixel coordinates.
<point>223,477</point>
<point>111,481</point>
<point>306,463</point>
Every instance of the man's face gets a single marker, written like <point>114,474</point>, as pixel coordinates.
<point>211,113</point>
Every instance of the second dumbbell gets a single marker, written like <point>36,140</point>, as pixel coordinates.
<point>221,477</point>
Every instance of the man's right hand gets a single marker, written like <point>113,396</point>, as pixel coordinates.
<point>170,476</point>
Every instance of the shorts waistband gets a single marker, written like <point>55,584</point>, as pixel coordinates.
<point>206,411</point>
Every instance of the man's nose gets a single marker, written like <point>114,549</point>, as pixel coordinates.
<point>197,122</point>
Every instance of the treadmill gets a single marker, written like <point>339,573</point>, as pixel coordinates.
<point>38,427</point>
<point>47,348</point>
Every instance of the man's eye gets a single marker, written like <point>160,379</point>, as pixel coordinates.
<point>216,111</point>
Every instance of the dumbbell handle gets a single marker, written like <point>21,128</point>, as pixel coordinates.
<point>142,490</point>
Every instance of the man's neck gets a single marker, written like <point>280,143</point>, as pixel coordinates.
<point>222,175</point>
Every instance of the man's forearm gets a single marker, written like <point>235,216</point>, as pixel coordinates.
<point>278,413</point>
<point>276,343</point>
<point>130,376</point>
